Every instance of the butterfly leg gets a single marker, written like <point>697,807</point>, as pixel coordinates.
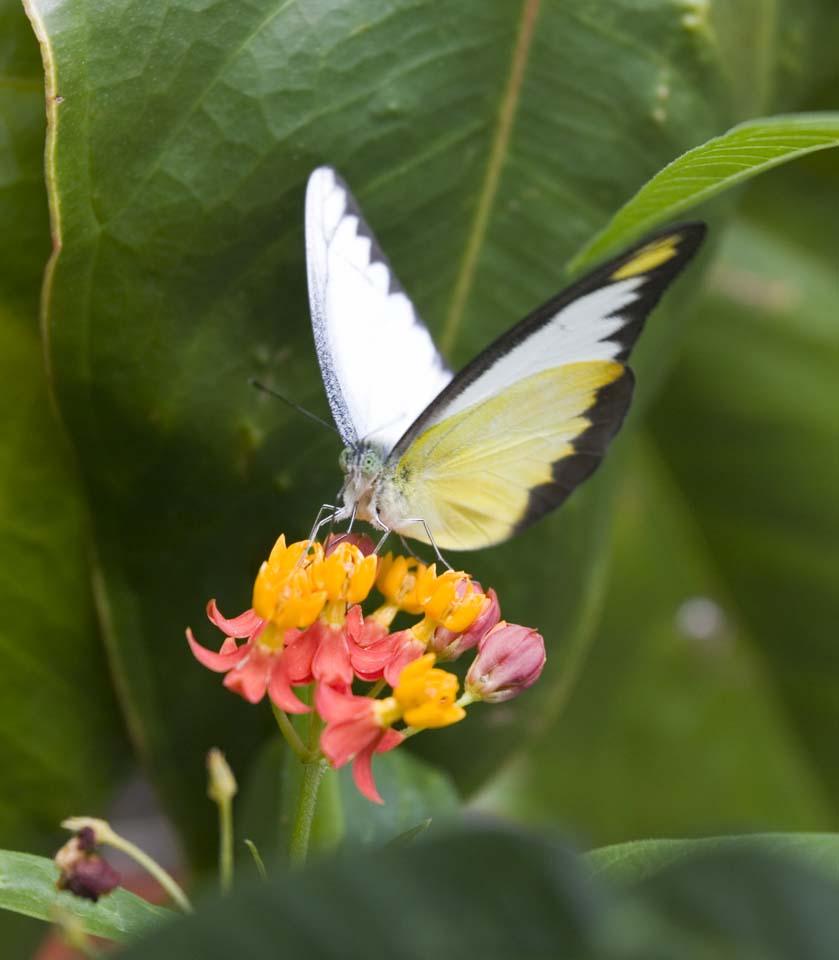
<point>408,549</point>
<point>431,540</point>
<point>321,521</point>
<point>382,540</point>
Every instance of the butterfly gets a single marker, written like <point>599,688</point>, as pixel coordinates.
<point>463,461</point>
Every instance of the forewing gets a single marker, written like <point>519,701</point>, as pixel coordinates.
<point>379,364</point>
<point>531,417</point>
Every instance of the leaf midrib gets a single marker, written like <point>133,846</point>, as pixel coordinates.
<point>492,175</point>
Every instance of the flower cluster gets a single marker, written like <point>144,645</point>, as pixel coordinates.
<point>306,628</point>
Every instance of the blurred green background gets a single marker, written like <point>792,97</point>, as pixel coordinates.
<point>689,594</point>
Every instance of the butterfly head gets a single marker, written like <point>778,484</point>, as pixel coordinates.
<point>362,466</point>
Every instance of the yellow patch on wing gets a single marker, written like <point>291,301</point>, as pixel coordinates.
<point>649,257</point>
<point>470,476</point>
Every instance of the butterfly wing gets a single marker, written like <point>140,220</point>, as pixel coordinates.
<point>379,364</point>
<point>531,417</point>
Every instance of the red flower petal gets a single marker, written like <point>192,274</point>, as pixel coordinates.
<point>390,739</point>
<point>362,774</point>
<point>354,624</point>
<point>337,705</point>
<point>224,660</point>
<point>250,678</point>
<point>241,626</point>
<point>369,662</point>
<point>340,742</point>
<point>331,663</point>
<point>408,650</point>
<point>279,688</point>
<point>299,652</point>
<point>371,632</point>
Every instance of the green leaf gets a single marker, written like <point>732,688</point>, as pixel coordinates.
<point>433,898</point>
<point>670,702</point>
<point>27,886</point>
<point>414,793</point>
<point>640,859</point>
<point>485,141</point>
<point>739,901</point>
<point>495,894</point>
<point>710,169</point>
<point>61,738</point>
<point>755,396</point>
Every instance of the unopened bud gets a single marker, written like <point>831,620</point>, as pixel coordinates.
<point>222,785</point>
<point>510,659</point>
<point>360,540</point>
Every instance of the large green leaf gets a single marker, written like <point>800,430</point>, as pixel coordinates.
<point>710,169</point>
<point>723,591</point>
<point>27,886</point>
<point>748,425</point>
<point>60,734</point>
<point>670,703</point>
<point>413,791</point>
<point>630,862</point>
<point>493,894</point>
<point>486,140</point>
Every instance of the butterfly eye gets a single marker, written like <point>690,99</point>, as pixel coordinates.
<point>369,463</point>
<point>344,459</point>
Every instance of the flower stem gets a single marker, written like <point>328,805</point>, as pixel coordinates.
<point>292,737</point>
<point>313,771</point>
<point>153,867</point>
<point>377,688</point>
<point>225,833</point>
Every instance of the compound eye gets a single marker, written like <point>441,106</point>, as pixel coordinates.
<point>344,460</point>
<point>369,463</point>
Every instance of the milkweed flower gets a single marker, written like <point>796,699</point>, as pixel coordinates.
<point>256,667</point>
<point>449,644</point>
<point>510,659</point>
<point>426,695</point>
<point>307,627</point>
<point>356,728</point>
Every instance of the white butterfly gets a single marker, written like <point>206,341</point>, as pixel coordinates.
<point>467,461</point>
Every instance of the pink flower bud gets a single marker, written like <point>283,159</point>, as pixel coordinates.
<point>510,659</point>
<point>360,540</point>
<point>449,645</point>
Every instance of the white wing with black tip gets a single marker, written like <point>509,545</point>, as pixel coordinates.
<point>379,364</point>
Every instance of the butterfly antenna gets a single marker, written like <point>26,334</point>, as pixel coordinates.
<point>292,404</point>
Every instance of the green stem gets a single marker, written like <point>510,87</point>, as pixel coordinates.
<point>292,737</point>
<point>313,771</point>
<point>225,832</point>
<point>257,859</point>
<point>153,867</point>
<point>377,688</point>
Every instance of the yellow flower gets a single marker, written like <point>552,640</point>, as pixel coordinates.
<point>398,579</point>
<point>346,574</point>
<point>451,600</point>
<point>283,591</point>
<point>426,695</point>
